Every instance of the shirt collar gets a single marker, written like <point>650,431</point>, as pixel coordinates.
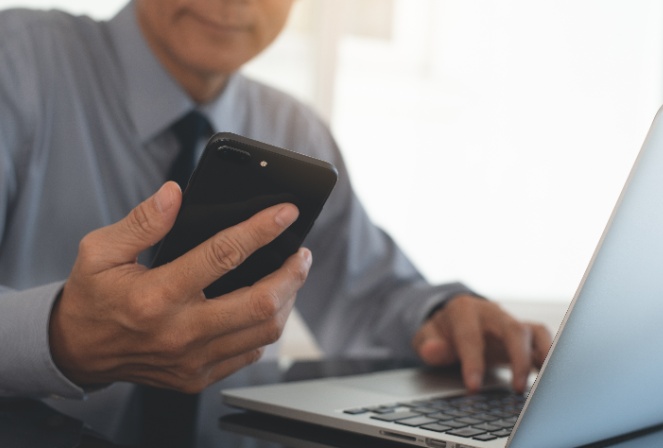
<point>154,98</point>
<point>227,109</point>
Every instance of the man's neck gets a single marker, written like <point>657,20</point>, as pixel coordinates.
<point>201,87</point>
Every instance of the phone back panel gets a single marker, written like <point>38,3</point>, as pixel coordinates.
<point>235,178</point>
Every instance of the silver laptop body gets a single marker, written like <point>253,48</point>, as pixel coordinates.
<point>602,377</point>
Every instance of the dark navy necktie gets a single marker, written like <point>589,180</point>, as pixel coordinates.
<point>188,130</point>
<point>169,417</point>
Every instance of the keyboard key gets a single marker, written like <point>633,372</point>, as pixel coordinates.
<point>466,432</point>
<point>457,413</point>
<point>501,413</point>
<point>469,420</point>
<point>511,420</point>
<point>383,406</point>
<point>356,411</point>
<point>487,427</point>
<point>440,405</point>
<point>424,410</point>
<point>454,423</point>
<point>416,421</point>
<point>394,416</point>
<point>441,416</point>
<point>502,424</point>
<point>383,409</point>
<point>485,437</point>
<point>437,427</point>
<point>502,433</point>
<point>485,417</point>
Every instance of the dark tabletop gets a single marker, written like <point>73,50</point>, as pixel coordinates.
<point>26,423</point>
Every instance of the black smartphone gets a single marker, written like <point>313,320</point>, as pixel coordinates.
<point>235,178</point>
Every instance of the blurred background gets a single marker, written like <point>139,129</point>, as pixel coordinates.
<point>490,138</point>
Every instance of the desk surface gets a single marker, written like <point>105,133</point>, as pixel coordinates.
<point>36,424</point>
<point>30,423</point>
<point>113,422</point>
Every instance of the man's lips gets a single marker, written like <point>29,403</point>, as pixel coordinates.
<point>220,26</point>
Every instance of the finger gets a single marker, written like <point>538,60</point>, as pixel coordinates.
<point>470,346</point>
<point>433,347</point>
<point>232,365</point>
<point>143,227</point>
<point>517,339</point>
<point>542,340</point>
<point>248,307</point>
<point>176,380</point>
<point>223,369</point>
<point>224,354</point>
<point>201,266</point>
<point>249,339</point>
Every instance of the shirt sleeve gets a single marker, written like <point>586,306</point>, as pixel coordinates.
<point>26,365</point>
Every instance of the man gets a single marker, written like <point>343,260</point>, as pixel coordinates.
<point>86,111</point>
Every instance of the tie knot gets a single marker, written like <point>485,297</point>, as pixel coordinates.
<point>188,130</point>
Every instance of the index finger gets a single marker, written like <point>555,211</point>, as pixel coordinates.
<point>204,264</point>
<point>470,347</point>
<point>248,308</point>
<point>518,342</point>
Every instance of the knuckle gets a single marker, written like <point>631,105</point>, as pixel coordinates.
<point>88,245</point>
<point>193,375</point>
<point>139,221</point>
<point>300,273</point>
<point>492,307</point>
<point>186,370</point>
<point>273,331</point>
<point>518,329</point>
<point>225,254</point>
<point>265,304</point>
<point>190,377</point>
<point>463,303</point>
<point>85,245</point>
<point>145,309</point>
<point>518,333</point>
<point>176,346</point>
<point>254,355</point>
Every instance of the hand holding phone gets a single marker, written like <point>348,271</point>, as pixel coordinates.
<point>235,178</point>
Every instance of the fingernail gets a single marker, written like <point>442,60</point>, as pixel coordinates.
<point>520,384</point>
<point>474,381</point>
<point>286,215</point>
<point>163,199</point>
<point>308,258</point>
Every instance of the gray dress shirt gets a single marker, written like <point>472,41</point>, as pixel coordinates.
<point>84,115</point>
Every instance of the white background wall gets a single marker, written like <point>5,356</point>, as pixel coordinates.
<point>491,138</point>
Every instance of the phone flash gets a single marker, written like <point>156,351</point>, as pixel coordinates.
<point>263,163</point>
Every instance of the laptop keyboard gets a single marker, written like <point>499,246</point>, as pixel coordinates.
<point>484,416</point>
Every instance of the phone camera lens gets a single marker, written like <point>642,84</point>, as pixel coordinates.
<point>233,154</point>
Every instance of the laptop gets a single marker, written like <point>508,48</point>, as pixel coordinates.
<point>601,379</point>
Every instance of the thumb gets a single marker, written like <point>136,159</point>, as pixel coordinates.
<point>143,227</point>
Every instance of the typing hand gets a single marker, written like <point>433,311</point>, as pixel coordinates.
<point>476,332</point>
<point>117,320</point>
